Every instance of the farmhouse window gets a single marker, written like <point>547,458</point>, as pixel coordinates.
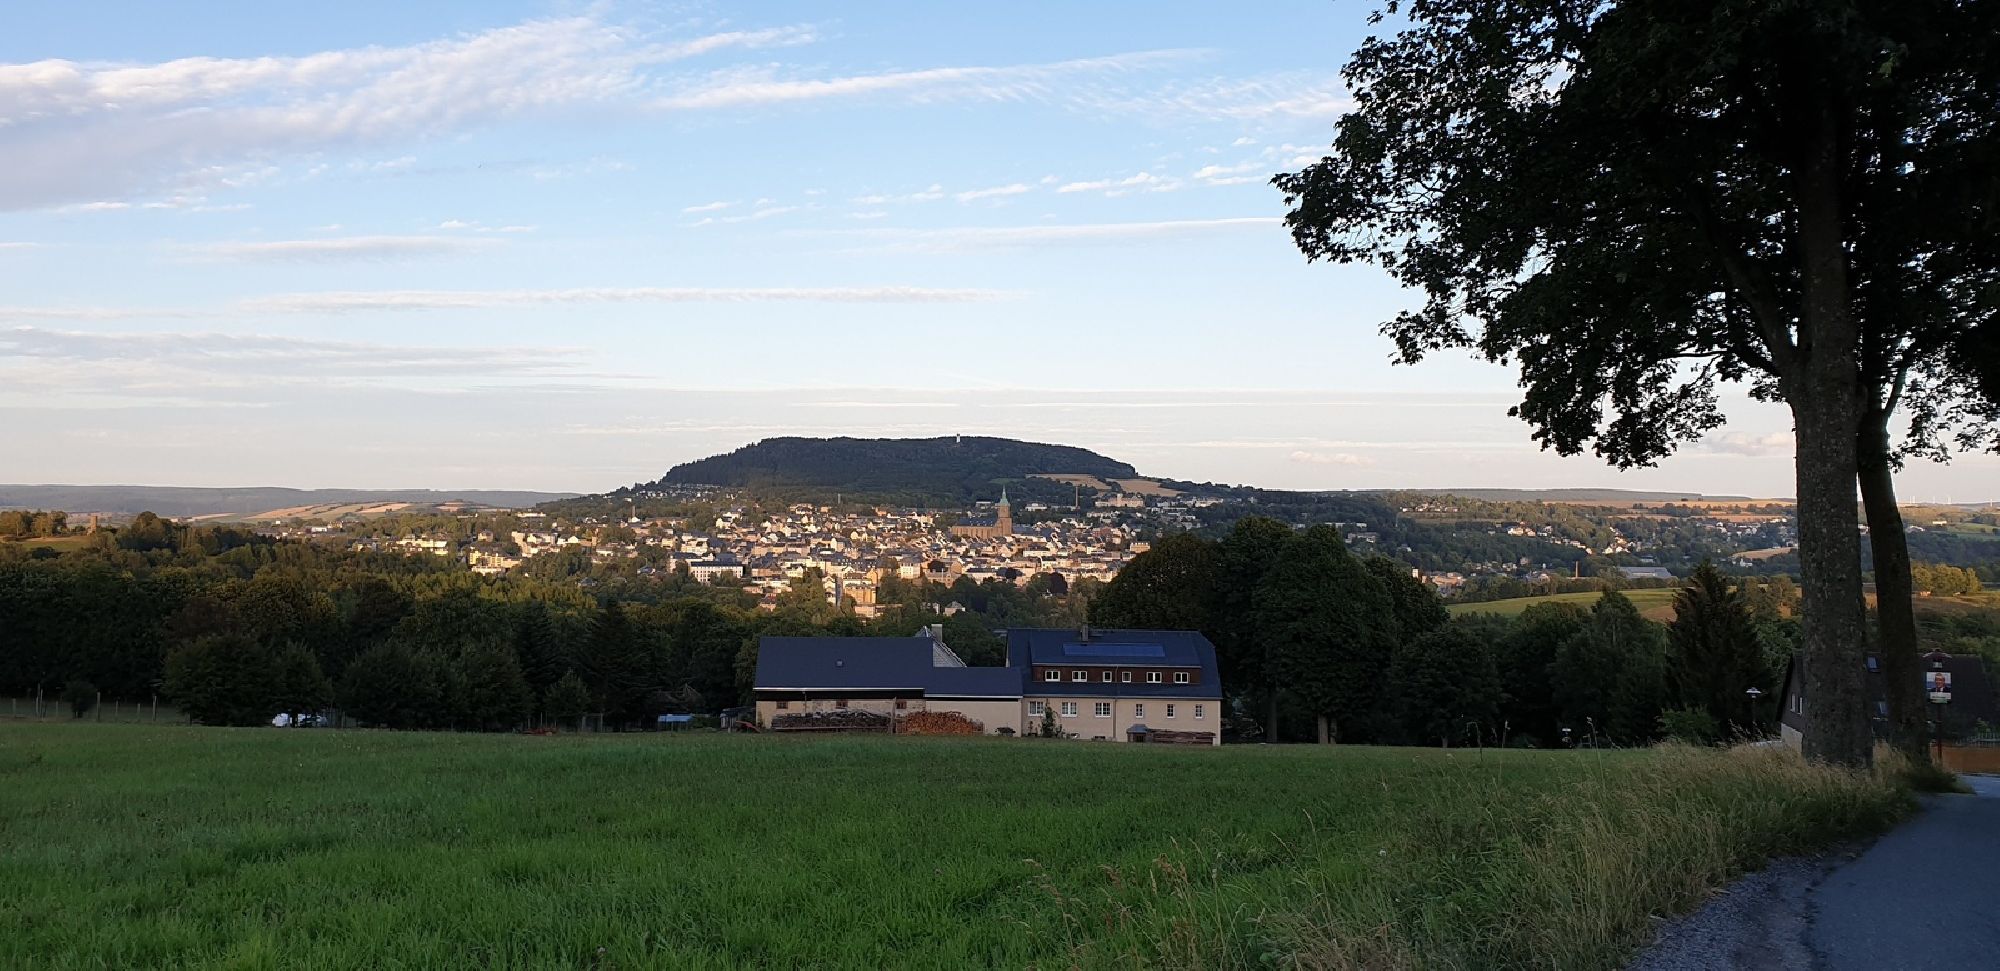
<point>1152,677</point>
<point>1197,711</point>
<point>1180,677</point>
<point>782,705</point>
<point>1069,709</point>
<point>1125,676</point>
<point>1170,711</point>
<point>1079,675</point>
<point>902,703</point>
<point>1036,708</point>
<point>1139,710</point>
<point>1052,675</point>
<point>1102,709</point>
<point>1106,677</point>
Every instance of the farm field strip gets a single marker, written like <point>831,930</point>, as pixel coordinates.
<point>143,846</point>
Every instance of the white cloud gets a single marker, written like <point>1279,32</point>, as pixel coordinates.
<point>1290,96</point>
<point>1142,182</point>
<point>76,132</point>
<point>979,237</point>
<point>1330,458</point>
<point>1744,443</point>
<point>343,249</point>
<point>387,300</point>
<point>145,369</point>
<point>974,195</point>
<point>707,207</point>
<point>1025,82</point>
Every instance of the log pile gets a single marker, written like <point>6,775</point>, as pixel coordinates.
<point>838,720</point>
<point>938,723</point>
<point>1162,736</point>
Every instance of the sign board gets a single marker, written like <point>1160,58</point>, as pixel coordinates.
<point>1938,683</point>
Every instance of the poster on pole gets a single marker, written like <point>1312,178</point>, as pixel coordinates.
<point>1938,683</point>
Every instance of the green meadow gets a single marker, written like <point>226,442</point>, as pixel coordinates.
<point>1655,604</point>
<point>139,846</point>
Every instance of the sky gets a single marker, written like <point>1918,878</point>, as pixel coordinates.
<point>564,245</point>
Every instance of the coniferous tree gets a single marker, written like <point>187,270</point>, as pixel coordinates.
<point>1716,653</point>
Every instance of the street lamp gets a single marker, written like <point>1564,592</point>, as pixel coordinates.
<point>1753,693</point>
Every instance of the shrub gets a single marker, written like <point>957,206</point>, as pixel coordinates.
<point>81,696</point>
<point>1694,726</point>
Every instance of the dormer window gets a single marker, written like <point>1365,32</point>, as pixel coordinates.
<point>1079,675</point>
<point>1152,677</point>
<point>1106,677</point>
<point>1125,676</point>
<point>1180,677</point>
<point>1052,675</point>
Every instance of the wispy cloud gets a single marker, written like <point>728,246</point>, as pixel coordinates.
<point>707,207</point>
<point>387,300</point>
<point>993,192</point>
<point>98,133</point>
<point>1744,443</point>
<point>151,368</point>
<point>1330,458</point>
<point>343,249</point>
<point>1142,182</point>
<point>1024,82</point>
<point>979,237</point>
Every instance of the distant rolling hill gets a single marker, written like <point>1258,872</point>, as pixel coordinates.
<point>251,502</point>
<point>948,470</point>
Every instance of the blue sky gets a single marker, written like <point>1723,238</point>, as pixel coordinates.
<point>565,245</point>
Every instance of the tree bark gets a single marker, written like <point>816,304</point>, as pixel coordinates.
<point>1271,718</point>
<point>1821,387</point>
<point>1325,734</point>
<point>1902,670</point>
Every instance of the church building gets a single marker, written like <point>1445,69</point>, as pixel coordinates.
<point>1001,525</point>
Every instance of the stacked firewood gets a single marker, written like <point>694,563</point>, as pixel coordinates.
<point>1162,736</point>
<point>839,719</point>
<point>938,723</point>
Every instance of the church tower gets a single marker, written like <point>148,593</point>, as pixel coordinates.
<point>1003,523</point>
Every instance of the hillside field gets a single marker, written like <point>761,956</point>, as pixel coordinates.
<point>138,846</point>
<point>1654,604</point>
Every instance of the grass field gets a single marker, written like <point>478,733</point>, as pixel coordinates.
<point>1654,604</point>
<point>132,846</point>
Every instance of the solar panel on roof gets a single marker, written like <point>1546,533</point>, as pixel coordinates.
<point>1109,649</point>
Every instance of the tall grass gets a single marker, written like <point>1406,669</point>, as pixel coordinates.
<point>130,846</point>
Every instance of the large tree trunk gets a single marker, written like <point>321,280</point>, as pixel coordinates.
<point>1271,718</point>
<point>1901,667</point>
<point>1325,730</point>
<point>1821,387</point>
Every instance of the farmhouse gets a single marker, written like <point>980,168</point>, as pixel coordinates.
<point>883,675</point>
<point>1116,685</point>
<point>1125,685</point>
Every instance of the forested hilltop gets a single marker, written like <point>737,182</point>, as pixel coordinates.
<point>917,471</point>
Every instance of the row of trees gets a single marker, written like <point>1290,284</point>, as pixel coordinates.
<point>1318,641</point>
<point>30,524</point>
<point>235,633</point>
<point>1945,581</point>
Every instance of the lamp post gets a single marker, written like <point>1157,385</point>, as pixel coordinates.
<point>1754,693</point>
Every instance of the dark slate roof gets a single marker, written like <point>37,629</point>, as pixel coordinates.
<point>874,663</point>
<point>843,662</point>
<point>1066,646</point>
<point>973,683</point>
